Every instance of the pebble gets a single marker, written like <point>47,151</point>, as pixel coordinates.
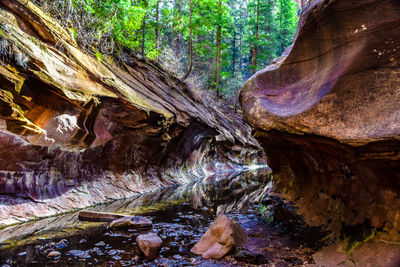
<point>116,258</point>
<point>85,255</point>
<point>82,241</point>
<point>54,255</point>
<point>78,253</point>
<point>112,252</point>
<point>100,244</point>
<point>47,251</point>
<point>177,257</point>
<point>174,244</point>
<point>23,253</point>
<point>164,249</point>
<point>62,244</point>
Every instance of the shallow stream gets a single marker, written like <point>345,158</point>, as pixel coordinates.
<point>180,217</point>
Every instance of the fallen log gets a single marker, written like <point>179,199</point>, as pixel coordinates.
<point>95,216</point>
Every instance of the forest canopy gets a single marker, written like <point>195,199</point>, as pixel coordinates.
<point>215,43</point>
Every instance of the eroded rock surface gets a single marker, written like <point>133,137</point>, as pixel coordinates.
<point>327,115</point>
<point>221,238</point>
<point>75,131</point>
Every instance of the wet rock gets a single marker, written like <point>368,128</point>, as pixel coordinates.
<point>100,244</point>
<point>48,250</point>
<point>62,244</point>
<point>116,258</point>
<point>150,244</point>
<point>54,255</point>
<point>221,238</point>
<point>82,254</point>
<point>131,222</point>
<point>112,252</point>
<point>245,255</point>
<point>177,257</point>
<point>85,255</point>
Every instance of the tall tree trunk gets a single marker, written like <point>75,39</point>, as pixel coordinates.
<point>233,52</point>
<point>157,30</point>
<point>176,12</point>
<point>255,48</point>
<point>280,28</point>
<point>218,56</point>
<point>240,51</point>
<point>144,27</point>
<point>144,34</point>
<point>190,44</point>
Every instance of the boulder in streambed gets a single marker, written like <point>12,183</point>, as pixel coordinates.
<point>150,244</point>
<point>221,238</point>
<point>132,222</point>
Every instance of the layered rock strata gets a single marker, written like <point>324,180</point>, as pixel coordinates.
<point>75,131</point>
<point>327,114</point>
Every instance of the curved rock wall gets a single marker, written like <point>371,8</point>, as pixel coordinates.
<point>75,131</point>
<point>327,114</point>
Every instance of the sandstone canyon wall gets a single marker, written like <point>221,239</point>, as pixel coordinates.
<point>75,131</point>
<point>327,114</point>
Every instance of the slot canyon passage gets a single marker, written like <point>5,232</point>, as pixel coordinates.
<point>313,180</point>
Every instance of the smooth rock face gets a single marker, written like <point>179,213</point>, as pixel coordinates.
<point>75,132</point>
<point>150,244</point>
<point>338,80</point>
<point>327,114</point>
<point>132,222</point>
<point>221,238</point>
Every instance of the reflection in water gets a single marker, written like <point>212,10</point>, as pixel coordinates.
<point>220,192</point>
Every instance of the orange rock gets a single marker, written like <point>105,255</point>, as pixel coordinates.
<point>221,238</point>
<point>150,244</point>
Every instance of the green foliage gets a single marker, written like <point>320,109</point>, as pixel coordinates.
<point>73,33</point>
<point>277,23</point>
<point>250,29</point>
<point>287,18</point>
<point>267,213</point>
<point>98,56</point>
<point>122,18</point>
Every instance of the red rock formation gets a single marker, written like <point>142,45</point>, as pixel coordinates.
<point>224,235</point>
<point>75,131</point>
<point>327,113</point>
<point>150,244</point>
